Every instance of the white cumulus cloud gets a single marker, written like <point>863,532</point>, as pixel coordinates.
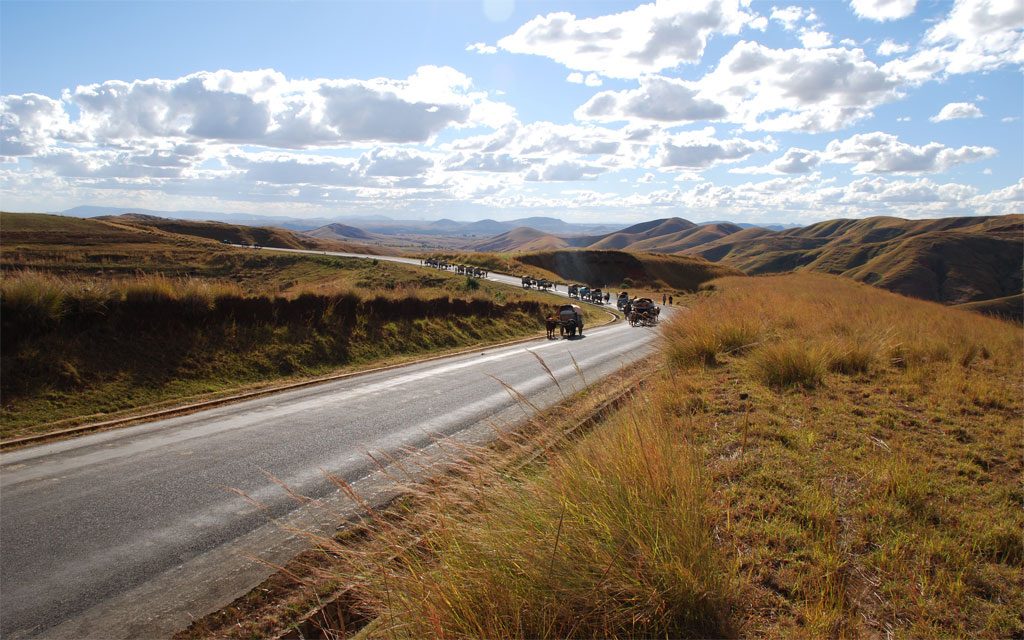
<point>648,39</point>
<point>794,161</point>
<point>564,169</point>
<point>29,123</point>
<point>880,152</point>
<point>976,35</point>
<point>590,80</point>
<point>702,150</point>
<point>789,17</point>
<point>658,99</point>
<point>883,10</point>
<point>265,108</point>
<point>890,48</point>
<point>956,111</point>
<point>483,48</point>
<point>811,90</point>
<point>815,38</point>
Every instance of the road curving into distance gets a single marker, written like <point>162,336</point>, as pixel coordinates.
<point>136,531</point>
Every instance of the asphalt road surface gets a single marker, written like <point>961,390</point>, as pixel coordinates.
<point>135,531</point>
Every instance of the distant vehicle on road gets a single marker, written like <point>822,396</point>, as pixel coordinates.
<point>622,300</point>
<point>570,320</point>
<point>574,291</point>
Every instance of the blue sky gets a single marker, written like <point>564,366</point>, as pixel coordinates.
<point>603,111</point>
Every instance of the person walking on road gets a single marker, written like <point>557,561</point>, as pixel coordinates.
<point>663,298</point>
<point>670,300</point>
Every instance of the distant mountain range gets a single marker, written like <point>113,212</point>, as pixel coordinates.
<point>378,224</point>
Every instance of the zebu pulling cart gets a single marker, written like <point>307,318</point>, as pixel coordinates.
<point>644,313</point>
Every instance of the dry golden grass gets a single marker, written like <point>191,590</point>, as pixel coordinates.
<point>610,541</point>
<point>865,455</point>
<point>818,459</point>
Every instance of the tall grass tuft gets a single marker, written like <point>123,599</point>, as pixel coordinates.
<point>701,336</point>
<point>789,364</point>
<point>853,355</point>
<point>693,344</point>
<point>36,299</point>
<point>612,540</point>
<point>150,290</point>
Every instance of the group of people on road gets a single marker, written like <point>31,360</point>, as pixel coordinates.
<point>664,298</point>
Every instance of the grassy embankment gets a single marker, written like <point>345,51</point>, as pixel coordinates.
<point>100,319</point>
<point>818,458</point>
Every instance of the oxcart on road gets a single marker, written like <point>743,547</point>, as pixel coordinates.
<point>643,312</point>
<point>570,320</point>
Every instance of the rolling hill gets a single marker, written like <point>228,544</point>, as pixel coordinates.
<point>520,239</point>
<point>344,232</point>
<point>235,233</point>
<point>948,260</point>
<point>687,238</point>
<point>18,229</point>
<point>626,238</point>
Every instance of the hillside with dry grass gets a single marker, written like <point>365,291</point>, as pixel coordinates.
<point>520,239</point>
<point>100,318</point>
<point>682,240</point>
<point>343,232</point>
<point>241,234</point>
<point>948,260</point>
<point>645,231</point>
<point>816,458</point>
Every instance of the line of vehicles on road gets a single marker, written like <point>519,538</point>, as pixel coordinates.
<point>639,312</point>
<point>466,269</point>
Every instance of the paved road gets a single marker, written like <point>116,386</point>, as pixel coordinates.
<point>132,532</point>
